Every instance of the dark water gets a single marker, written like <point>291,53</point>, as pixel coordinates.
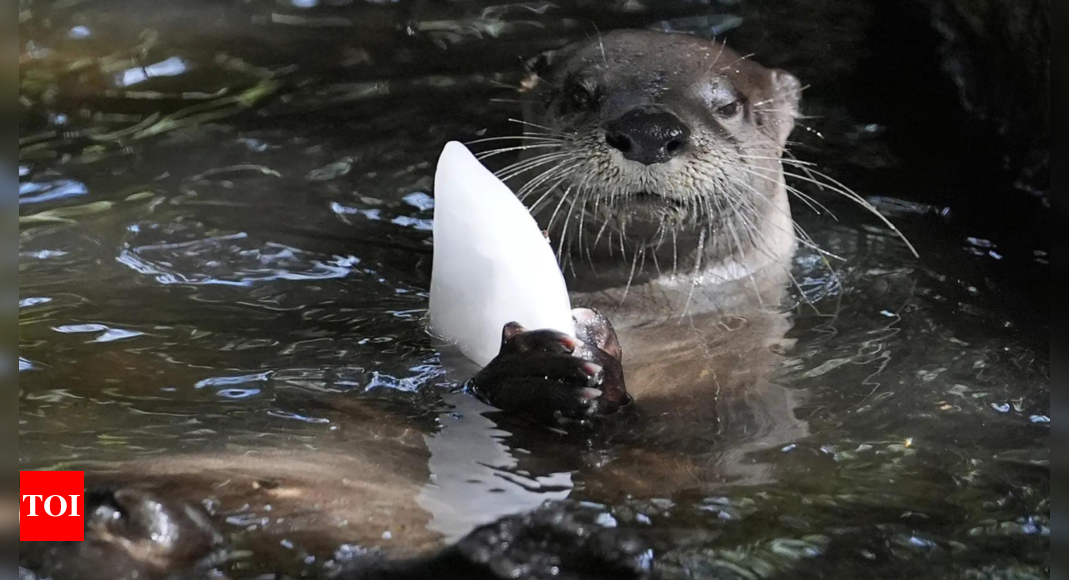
<point>195,280</point>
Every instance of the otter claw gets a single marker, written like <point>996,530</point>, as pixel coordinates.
<point>595,372</point>
<point>569,343</point>
<point>590,394</point>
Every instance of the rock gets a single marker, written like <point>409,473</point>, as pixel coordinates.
<point>998,54</point>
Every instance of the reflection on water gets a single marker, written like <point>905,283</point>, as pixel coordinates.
<point>234,254</point>
<point>473,478</point>
<point>41,190</point>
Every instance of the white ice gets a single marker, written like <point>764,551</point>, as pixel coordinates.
<point>492,265</point>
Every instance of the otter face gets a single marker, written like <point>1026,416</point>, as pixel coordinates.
<point>651,135</point>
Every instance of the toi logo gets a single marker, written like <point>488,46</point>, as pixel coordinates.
<point>52,506</point>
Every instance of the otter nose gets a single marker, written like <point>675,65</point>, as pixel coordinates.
<point>648,135</point>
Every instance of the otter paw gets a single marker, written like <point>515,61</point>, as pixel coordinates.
<point>552,376</point>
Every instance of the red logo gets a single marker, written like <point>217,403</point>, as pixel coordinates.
<point>52,506</point>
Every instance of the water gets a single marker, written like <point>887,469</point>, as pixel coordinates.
<point>253,274</point>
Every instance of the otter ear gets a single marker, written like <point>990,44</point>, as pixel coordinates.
<point>788,96</point>
<point>535,66</point>
<point>540,66</point>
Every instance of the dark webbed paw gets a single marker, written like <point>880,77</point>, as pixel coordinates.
<point>550,375</point>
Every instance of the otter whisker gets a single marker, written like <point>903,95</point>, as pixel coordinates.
<point>804,236</point>
<point>554,170</point>
<point>694,277</point>
<point>553,179</point>
<point>750,231</point>
<point>662,230</point>
<point>808,241</point>
<point>524,137</point>
<point>562,171</point>
<point>564,229</point>
<point>548,165</point>
<point>839,188</point>
<point>727,222</point>
<point>523,163</point>
<point>493,152</point>
<point>778,160</point>
<point>631,275</point>
<point>787,269</point>
<point>716,59</point>
<point>553,217</point>
<point>738,251</point>
<point>793,115</point>
<point>579,235</point>
<point>817,207</point>
<point>806,168</point>
<point>753,232</point>
<point>523,167</point>
<point>642,262</point>
<point>675,252</point>
<point>737,61</point>
<point>601,231</point>
<point>601,45</point>
<point>585,247</point>
<point>810,201</point>
<point>792,162</point>
<point>503,85</point>
<point>534,207</point>
<point>582,192</point>
<point>660,235</point>
<point>529,124</point>
<point>580,187</point>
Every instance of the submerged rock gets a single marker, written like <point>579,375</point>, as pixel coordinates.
<point>136,534</point>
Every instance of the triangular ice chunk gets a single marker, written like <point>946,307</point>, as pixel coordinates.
<point>492,265</point>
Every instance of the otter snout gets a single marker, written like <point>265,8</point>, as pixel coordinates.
<point>648,135</point>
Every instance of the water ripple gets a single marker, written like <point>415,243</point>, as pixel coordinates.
<point>107,334</point>
<point>228,260</point>
<point>296,417</point>
<point>42,191</point>
<point>232,380</point>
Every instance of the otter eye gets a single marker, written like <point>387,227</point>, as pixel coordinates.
<point>578,98</point>
<point>729,110</point>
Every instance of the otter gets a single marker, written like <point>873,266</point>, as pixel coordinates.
<point>666,148</point>
<point>653,161</point>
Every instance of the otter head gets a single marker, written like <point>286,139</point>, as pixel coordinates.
<point>651,137</point>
